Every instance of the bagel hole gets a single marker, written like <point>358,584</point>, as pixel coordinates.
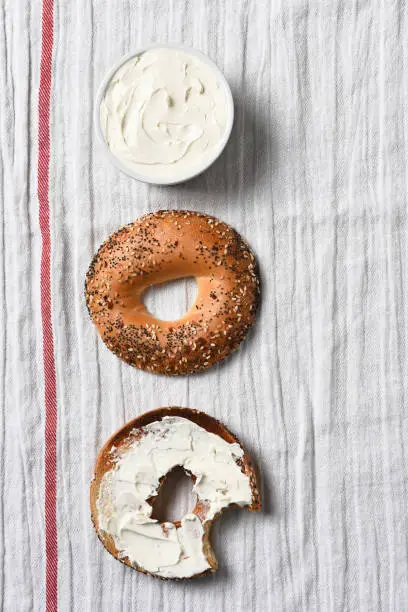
<point>175,498</point>
<point>172,300</point>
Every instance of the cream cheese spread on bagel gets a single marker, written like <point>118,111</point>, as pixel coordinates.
<point>124,503</point>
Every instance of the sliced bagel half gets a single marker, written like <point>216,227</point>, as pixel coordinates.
<point>132,467</point>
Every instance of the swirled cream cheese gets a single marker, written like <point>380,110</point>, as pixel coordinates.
<point>164,114</point>
<point>124,512</point>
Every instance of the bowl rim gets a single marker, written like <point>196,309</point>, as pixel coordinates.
<point>101,92</point>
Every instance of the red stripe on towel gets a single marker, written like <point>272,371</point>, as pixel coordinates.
<point>51,547</point>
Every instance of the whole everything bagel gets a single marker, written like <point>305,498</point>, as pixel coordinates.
<point>161,247</point>
<point>132,467</point>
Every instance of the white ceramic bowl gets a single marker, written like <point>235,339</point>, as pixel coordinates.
<point>217,150</point>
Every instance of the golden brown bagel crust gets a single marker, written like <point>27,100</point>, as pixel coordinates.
<point>160,247</point>
<point>124,436</point>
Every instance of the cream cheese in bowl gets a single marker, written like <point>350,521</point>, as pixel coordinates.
<point>164,114</point>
